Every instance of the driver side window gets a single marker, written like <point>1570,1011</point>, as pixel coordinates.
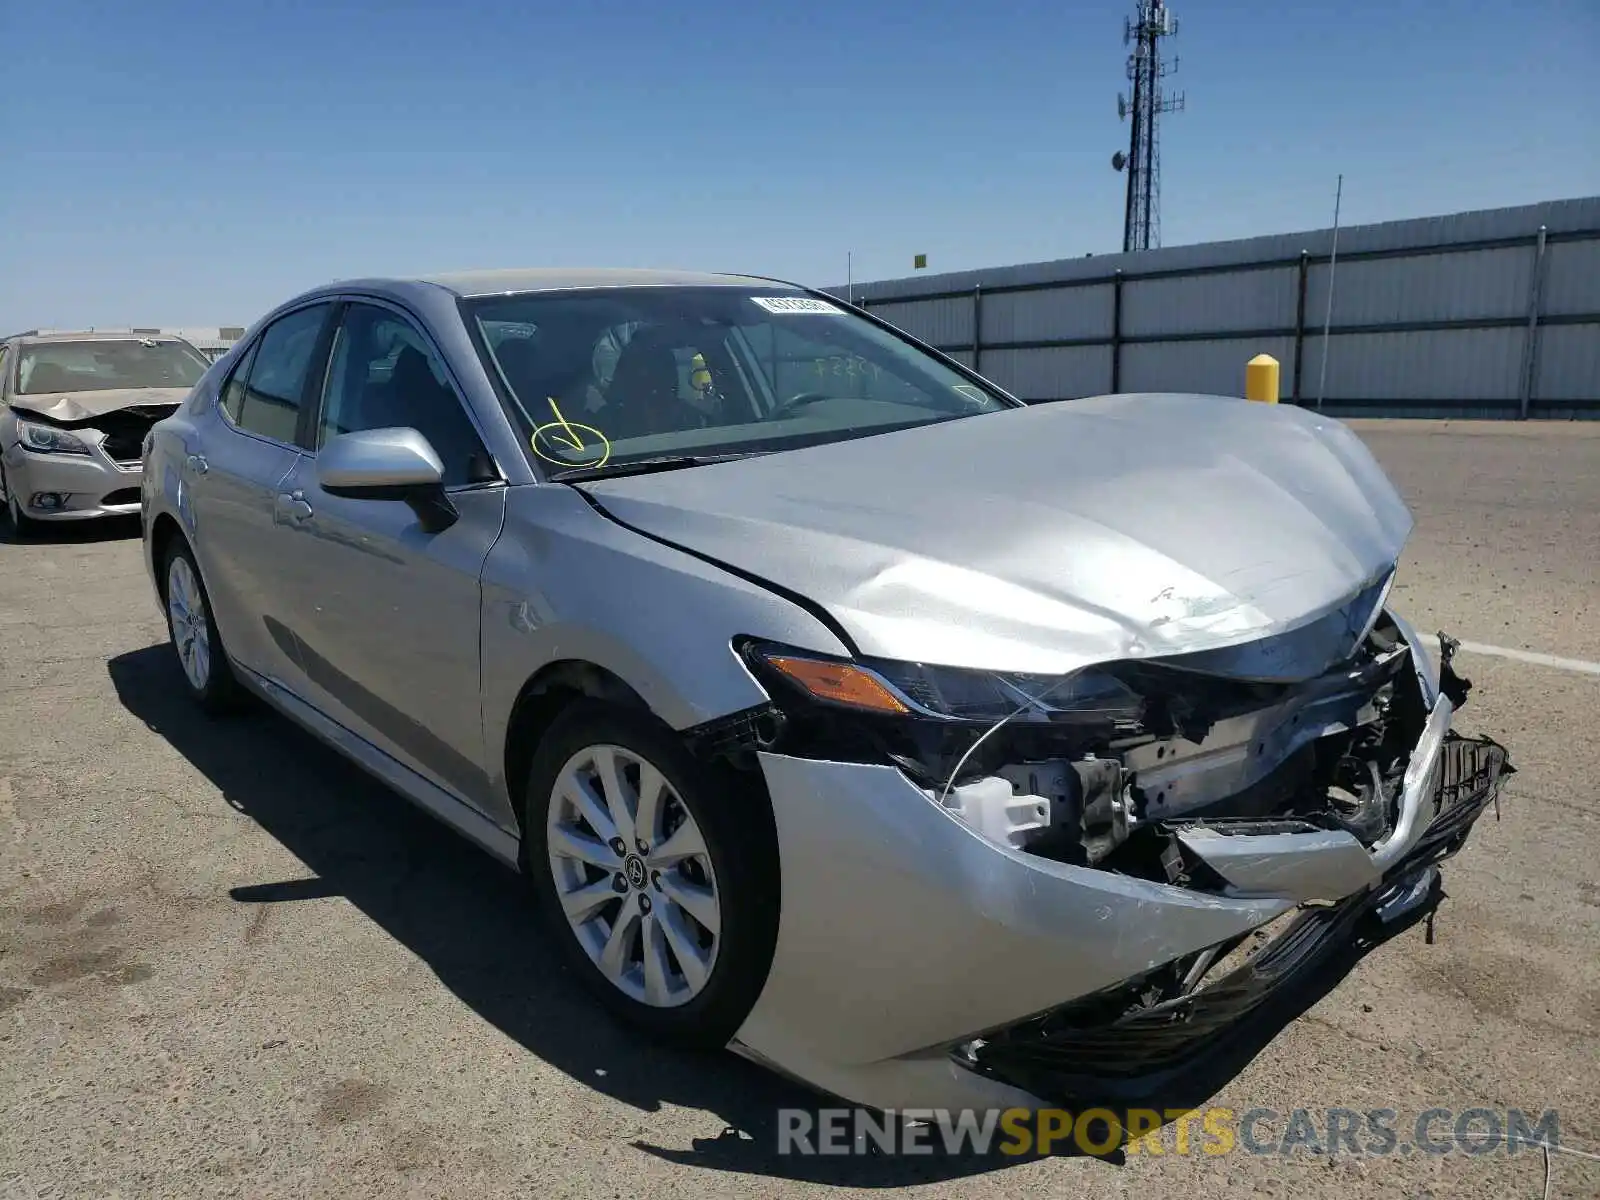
<point>383,374</point>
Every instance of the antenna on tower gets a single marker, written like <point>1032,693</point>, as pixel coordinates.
<point>1152,21</point>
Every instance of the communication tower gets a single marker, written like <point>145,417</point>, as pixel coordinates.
<point>1152,21</point>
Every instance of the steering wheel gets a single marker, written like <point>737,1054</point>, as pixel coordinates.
<point>795,403</point>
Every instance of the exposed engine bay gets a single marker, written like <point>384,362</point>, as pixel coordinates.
<point>1143,759</point>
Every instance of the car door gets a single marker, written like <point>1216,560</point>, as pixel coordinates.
<point>386,613</point>
<point>232,476</point>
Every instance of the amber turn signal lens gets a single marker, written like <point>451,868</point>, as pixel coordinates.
<point>840,683</point>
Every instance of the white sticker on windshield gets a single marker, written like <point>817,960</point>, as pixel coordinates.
<point>794,304</point>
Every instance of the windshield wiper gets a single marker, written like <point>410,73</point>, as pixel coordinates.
<point>645,466</point>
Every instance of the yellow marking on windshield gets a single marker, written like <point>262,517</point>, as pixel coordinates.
<point>572,439</point>
<point>592,446</point>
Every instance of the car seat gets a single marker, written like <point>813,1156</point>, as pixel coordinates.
<point>643,396</point>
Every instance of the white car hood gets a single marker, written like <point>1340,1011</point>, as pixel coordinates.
<point>77,407</point>
<point>1052,537</point>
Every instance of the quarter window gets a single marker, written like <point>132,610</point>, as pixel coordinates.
<point>385,375</point>
<point>233,392</point>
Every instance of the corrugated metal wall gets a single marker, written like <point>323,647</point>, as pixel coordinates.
<point>1475,314</point>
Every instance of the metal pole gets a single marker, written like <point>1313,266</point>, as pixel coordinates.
<point>1300,323</point>
<point>1327,320</point>
<point>977,327</point>
<point>849,277</point>
<point>1116,331</point>
<point>1530,347</point>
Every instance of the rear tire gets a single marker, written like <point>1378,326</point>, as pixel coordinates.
<point>665,904</point>
<point>202,658</point>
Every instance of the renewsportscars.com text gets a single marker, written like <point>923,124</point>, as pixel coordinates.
<point>1378,1132</point>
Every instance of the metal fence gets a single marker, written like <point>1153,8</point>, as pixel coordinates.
<point>1491,313</point>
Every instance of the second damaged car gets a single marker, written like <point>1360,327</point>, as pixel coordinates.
<point>74,411</point>
<point>934,749</point>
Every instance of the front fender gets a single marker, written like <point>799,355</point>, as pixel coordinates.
<point>564,583</point>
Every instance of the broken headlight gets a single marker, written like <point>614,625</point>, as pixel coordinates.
<point>47,439</point>
<point>948,693</point>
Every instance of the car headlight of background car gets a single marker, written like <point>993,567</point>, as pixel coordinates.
<point>47,439</point>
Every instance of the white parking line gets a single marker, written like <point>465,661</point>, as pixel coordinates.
<point>1531,656</point>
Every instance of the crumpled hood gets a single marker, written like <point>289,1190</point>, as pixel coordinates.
<point>67,407</point>
<point>1050,537</point>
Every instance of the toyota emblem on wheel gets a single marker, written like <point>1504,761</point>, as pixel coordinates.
<point>638,876</point>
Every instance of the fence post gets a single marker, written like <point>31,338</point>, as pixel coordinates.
<point>977,328</point>
<point>1530,345</point>
<point>1116,331</point>
<point>1300,322</point>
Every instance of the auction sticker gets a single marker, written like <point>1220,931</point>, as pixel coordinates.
<point>794,304</point>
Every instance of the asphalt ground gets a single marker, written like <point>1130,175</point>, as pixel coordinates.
<point>231,965</point>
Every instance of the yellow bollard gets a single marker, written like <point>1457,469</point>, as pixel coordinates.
<point>1261,379</point>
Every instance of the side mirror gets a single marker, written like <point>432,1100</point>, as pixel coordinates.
<point>388,464</point>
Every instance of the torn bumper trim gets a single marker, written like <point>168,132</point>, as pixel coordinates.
<point>1320,864</point>
<point>1057,1058</point>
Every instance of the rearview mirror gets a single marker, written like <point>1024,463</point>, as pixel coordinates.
<point>388,464</point>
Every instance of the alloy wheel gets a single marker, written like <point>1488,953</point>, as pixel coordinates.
<point>633,876</point>
<point>186,611</point>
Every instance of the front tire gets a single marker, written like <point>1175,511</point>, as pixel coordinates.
<point>22,525</point>
<point>201,655</point>
<point>656,873</point>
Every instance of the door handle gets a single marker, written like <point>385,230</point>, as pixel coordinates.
<point>197,463</point>
<point>292,507</point>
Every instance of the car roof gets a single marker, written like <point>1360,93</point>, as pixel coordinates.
<point>544,279</point>
<point>33,337</point>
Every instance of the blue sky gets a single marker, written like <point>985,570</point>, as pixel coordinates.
<point>194,163</point>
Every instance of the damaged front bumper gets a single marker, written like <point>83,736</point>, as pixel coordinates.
<point>72,487</point>
<point>921,964</point>
<point>1076,1051</point>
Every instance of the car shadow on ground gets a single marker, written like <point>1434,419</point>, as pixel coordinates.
<point>473,923</point>
<point>69,533</point>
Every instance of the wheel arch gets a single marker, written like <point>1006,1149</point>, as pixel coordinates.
<point>162,532</point>
<point>541,700</point>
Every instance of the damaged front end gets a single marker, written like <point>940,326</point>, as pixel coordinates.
<point>119,432</point>
<point>1210,791</point>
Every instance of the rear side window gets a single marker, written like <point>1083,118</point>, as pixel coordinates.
<point>276,384</point>
<point>233,391</point>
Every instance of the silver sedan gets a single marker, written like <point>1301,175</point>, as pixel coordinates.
<point>932,748</point>
<point>74,411</point>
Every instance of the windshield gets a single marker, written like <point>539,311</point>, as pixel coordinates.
<point>104,364</point>
<point>605,377</point>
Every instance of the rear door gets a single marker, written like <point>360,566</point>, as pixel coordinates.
<point>385,613</point>
<point>233,479</point>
